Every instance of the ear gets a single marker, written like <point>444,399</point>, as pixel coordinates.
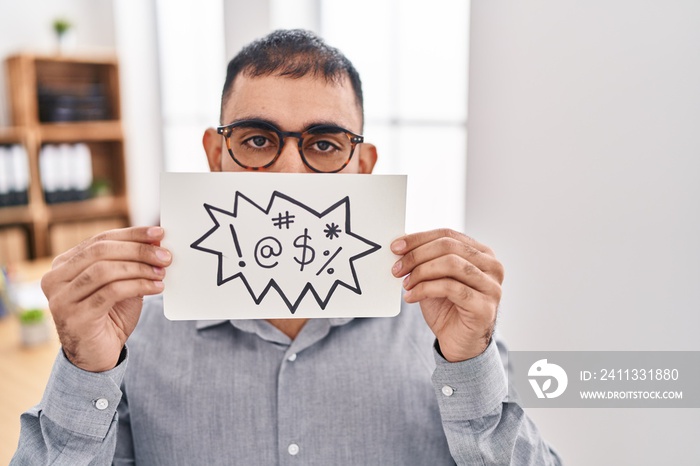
<point>212,143</point>
<point>368,157</point>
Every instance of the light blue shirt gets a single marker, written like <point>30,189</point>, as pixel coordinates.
<point>344,392</point>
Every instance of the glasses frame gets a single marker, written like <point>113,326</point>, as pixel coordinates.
<point>226,130</point>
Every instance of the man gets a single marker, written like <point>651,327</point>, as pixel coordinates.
<point>295,391</point>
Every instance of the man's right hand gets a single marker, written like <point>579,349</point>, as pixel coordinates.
<point>95,292</point>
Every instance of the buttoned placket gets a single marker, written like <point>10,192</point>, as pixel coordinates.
<point>290,444</point>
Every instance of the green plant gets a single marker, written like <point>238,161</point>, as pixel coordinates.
<point>31,316</point>
<point>61,25</point>
<point>101,187</point>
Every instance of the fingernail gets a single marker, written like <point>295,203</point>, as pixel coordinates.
<point>407,295</point>
<point>396,268</point>
<point>158,284</point>
<point>155,232</point>
<point>405,281</point>
<point>163,254</point>
<point>398,246</point>
<point>159,270</point>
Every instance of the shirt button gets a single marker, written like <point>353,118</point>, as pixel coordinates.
<point>292,357</point>
<point>101,404</point>
<point>447,390</point>
<point>293,449</point>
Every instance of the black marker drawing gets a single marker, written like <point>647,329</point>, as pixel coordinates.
<point>286,246</point>
<point>332,231</point>
<point>325,253</point>
<point>286,220</point>
<point>264,249</point>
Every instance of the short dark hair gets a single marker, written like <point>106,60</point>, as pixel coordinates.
<point>292,53</point>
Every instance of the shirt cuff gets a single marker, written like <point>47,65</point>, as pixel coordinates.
<point>470,389</point>
<point>80,401</point>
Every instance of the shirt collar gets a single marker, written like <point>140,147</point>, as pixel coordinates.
<point>314,331</point>
<point>202,324</point>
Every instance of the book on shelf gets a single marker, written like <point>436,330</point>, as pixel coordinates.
<point>66,172</point>
<point>14,175</point>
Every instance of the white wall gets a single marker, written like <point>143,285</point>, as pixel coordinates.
<point>137,48</point>
<point>192,70</point>
<point>584,176</point>
<point>419,129</point>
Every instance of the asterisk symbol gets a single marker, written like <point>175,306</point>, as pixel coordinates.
<point>332,231</point>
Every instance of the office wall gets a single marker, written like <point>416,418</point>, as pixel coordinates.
<point>584,176</point>
<point>140,76</point>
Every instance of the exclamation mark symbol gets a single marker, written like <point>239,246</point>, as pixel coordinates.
<point>238,246</point>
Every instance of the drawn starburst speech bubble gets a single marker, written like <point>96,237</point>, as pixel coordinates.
<point>286,246</point>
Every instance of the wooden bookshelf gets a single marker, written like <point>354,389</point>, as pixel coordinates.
<point>88,111</point>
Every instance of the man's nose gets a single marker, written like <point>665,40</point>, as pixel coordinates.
<point>289,160</point>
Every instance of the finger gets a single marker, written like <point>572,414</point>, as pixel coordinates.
<point>149,235</point>
<point>101,273</point>
<point>100,302</point>
<point>445,246</point>
<point>409,242</point>
<point>458,293</point>
<point>457,268</point>
<point>63,304</point>
<point>108,250</point>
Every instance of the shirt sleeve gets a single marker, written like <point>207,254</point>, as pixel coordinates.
<point>481,424</point>
<point>76,421</point>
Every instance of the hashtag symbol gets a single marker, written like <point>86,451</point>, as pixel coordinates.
<point>280,221</point>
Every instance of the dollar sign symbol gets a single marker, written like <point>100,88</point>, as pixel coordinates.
<point>303,239</point>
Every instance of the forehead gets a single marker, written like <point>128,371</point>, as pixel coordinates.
<point>293,103</point>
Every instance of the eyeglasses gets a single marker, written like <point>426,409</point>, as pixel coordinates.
<point>255,145</point>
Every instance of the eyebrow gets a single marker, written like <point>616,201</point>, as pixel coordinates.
<point>308,126</point>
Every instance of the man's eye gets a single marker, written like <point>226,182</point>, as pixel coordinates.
<point>258,141</point>
<point>323,145</point>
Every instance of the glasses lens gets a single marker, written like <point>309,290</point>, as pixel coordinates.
<point>327,149</point>
<point>254,145</point>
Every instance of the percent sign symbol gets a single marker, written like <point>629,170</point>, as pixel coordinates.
<point>325,253</point>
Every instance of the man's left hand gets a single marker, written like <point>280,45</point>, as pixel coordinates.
<point>457,282</point>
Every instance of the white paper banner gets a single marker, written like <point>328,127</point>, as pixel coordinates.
<point>272,245</point>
